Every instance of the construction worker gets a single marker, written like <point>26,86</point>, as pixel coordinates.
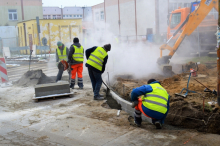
<point>96,61</point>
<point>61,54</point>
<point>75,59</point>
<point>153,104</point>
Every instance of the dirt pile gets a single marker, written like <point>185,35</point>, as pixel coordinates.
<point>33,77</point>
<point>210,69</point>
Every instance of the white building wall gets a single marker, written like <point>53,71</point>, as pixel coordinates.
<point>112,19</point>
<point>145,16</point>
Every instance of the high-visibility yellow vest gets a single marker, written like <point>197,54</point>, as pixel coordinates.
<point>157,99</point>
<point>96,58</point>
<point>62,56</point>
<point>78,54</point>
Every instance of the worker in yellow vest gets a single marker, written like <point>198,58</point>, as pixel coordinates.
<point>96,61</point>
<point>75,60</point>
<point>61,54</point>
<point>154,103</point>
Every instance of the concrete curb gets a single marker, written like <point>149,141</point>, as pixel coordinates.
<point>126,106</point>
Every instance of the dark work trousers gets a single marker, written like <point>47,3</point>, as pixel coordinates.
<point>60,73</point>
<point>96,79</point>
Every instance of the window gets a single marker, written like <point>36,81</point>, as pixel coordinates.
<point>64,15</point>
<point>12,15</point>
<point>58,16</point>
<point>45,17</point>
<point>67,15</point>
<point>175,20</point>
<point>80,15</point>
<point>75,16</point>
<point>70,15</point>
<point>102,15</point>
<point>54,16</point>
<point>48,17</point>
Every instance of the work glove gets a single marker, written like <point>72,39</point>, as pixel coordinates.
<point>135,103</point>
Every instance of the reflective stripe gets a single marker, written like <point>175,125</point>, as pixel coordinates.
<point>80,81</point>
<point>137,115</point>
<point>95,62</point>
<point>97,58</point>
<point>157,103</point>
<point>158,96</point>
<point>79,53</point>
<point>78,57</point>
<point>137,111</point>
<point>101,52</point>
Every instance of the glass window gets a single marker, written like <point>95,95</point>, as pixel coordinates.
<point>175,20</point>
<point>74,15</point>
<point>12,15</point>
<point>80,15</point>
<point>54,16</point>
<point>45,17</point>
<point>67,15</point>
<point>70,15</point>
<point>48,16</point>
<point>77,15</point>
<point>102,15</point>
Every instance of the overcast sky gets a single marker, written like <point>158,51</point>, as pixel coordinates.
<point>65,3</point>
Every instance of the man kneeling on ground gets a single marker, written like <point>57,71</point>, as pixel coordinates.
<point>154,103</point>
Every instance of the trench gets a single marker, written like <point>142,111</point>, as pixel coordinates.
<point>184,113</point>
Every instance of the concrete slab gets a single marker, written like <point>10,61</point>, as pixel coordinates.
<point>53,88</point>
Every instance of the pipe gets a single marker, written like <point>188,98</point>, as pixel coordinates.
<point>218,56</point>
<point>22,10</point>
<point>119,19</point>
<point>105,13</point>
<point>136,17</point>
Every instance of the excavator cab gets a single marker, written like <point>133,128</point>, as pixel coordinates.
<point>182,23</point>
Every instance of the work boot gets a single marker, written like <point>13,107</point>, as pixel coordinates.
<point>98,98</point>
<point>137,121</point>
<point>81,88</point>
<point>72,86</point>
<point>100,95</point>
<point>158,125</point>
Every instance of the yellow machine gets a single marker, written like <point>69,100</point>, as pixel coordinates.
<point>192,21</point>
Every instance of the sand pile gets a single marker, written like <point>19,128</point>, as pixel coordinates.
<point>33,77</point>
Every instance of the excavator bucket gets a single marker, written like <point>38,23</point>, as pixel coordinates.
<point>163,63</point>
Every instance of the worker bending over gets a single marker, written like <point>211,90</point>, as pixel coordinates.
<point>96,60</point>
<point>61,54</point>
<point>154,103</point>
<point>75,59</point>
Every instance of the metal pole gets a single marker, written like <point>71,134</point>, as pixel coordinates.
<point>218,56</point>
<point>105,14</point>
<point>198,41</point>
<point>136,17</point>
<point>119,19</point>
<point>1,48</point>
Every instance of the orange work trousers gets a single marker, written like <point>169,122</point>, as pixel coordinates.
<point>77,68</point>
<point>139,108</point>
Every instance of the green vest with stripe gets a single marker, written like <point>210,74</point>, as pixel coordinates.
<point>62,56</point>
<point>96,58</point>
<point>78,54</point>
<point>157,99</point>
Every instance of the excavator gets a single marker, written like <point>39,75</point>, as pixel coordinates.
<point>192,21</point>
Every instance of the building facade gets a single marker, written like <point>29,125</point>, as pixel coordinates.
<point>14,11</point>
<point>67,13</point>
<point>136,17</point>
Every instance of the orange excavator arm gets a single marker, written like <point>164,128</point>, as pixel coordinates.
<point>191,23</point>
